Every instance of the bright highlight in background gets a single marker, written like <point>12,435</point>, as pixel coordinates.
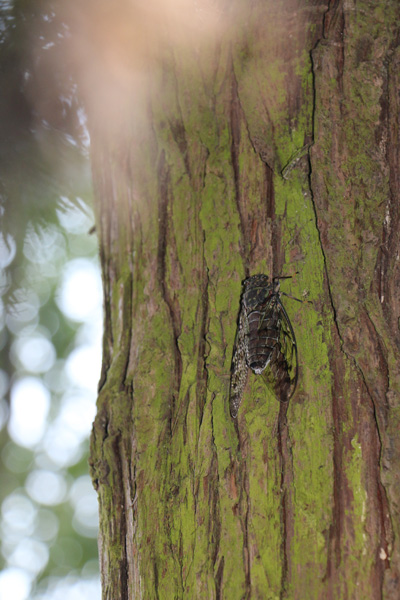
<point>80,290</point>
<point>30,403</point>
<point>52,408</point>
<point>15,584</point>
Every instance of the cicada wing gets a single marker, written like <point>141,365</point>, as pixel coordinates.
<point>239,369</point>
<point>282,371</point>
<point>288,358</point>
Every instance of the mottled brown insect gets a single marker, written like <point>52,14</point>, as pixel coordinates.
<point>265,341</point>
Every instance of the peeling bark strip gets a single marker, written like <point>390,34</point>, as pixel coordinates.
<point>268,143</point>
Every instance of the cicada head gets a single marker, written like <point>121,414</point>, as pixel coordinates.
<point>257,290</point>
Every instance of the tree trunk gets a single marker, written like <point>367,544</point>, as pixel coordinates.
<point>266,141</point>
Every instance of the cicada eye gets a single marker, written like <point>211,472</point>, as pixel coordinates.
<point>256,281</point>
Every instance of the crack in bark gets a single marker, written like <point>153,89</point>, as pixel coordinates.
<point>122,574</point>
<point>202,371</point>
<point>235,111</point>
<point>177,127</point>
<point>156,582</point>
<point>219,580</point>
<point>286,462</point>
<point>380,350</point>
<point>107,334</point>
<point>339,484</point>
<point>215,504</point>
<point>127,330</point>
<point>163,177</point>
<point>130,497</point>
<point>244,521</point>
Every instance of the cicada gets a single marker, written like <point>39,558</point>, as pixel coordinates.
<point>265,341</point>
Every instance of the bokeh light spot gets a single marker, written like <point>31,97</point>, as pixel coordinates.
<point>8,249</point>
<point>18,514</point>
<point>74,219</point>
<point>17,581</point>
<point>30,402</point>
<point>46,487</point>
<point>62,445</point>
<point>36,353</point>
<point>31,555</point>
<point>80,292</point>
<point>83,366</point>
<point>44,245</point>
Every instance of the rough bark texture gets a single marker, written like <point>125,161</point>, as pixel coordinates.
<point>274,148</point>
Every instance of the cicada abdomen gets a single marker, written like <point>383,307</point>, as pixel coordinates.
<point>265,341</point>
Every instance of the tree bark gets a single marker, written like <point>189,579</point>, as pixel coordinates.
<point>270,144</point>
